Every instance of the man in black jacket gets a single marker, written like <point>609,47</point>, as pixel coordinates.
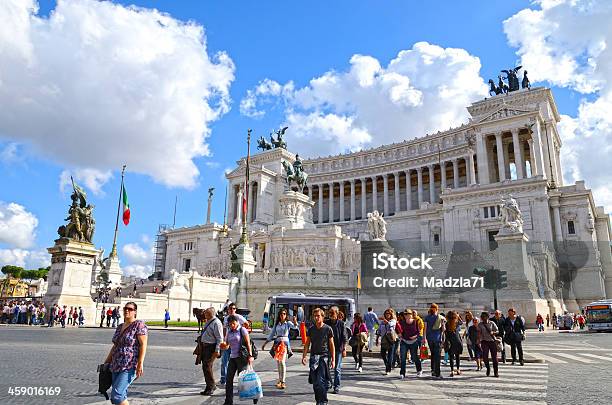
<point>514,331</point>
<point>500,322</point>
<point>340,340</point>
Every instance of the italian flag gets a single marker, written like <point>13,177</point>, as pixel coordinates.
<point>126,208</point>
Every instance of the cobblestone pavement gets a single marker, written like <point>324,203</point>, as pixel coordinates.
<point>575,368</point>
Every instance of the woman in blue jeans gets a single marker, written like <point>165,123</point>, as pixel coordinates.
<point>126,357</point>
<point>409,341</point>
<point>385,330</point>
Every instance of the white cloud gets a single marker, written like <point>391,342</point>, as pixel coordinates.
<point>97,85</point>
<point>28,259</point>
<point>92,179</point>
<point>566,43</point>
<point>136,254</point>
<point>266,91</point>
<point>138,270</point>
<point>423,89</point>
<point>17,225</point>
<point>9,153</point>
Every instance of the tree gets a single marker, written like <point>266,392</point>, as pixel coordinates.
<point>14,271</point>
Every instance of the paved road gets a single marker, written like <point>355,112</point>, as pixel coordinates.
<point>576,368</point>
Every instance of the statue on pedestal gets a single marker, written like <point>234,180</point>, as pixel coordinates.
<point>295,173</point>
<point>279,142</point>
<point>511,217</point>
<point>81,223</point>
<point>377,226</point>
<point>263,144</point>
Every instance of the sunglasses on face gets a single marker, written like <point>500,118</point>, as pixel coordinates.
<point>129,309</point>
<point>234,308</point>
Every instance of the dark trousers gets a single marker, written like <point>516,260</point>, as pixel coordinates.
<point>108,318</point>
<point>319,378</point>
<point>386,352</point>
<point>434,347</point>
<point>414,355</point>
<point>234,367</point>
<point>454,360</point>
<point>102,322</point>
<point>357,352</point>
<point>514,346</point>
<point>470,351</point>
<point>489,346</point>
<point>208,358</point>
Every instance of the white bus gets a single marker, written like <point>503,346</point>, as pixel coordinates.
<point>599,315</point>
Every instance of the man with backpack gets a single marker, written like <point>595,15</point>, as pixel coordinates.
<point>434,333</point>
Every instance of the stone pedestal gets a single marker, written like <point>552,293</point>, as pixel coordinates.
<point>69,280</point>
<point>295,211</point>
<point>245,261</point>
<point>114,272</point>
<point>521,292</point>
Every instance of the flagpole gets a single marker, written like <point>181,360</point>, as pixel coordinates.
<point>225,212</point>
<point>244,238</point>
<point>114,250</point>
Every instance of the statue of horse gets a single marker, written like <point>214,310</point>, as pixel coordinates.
<point>279,142</point>
<point>502,86</point>
<point>493,89</point>
<point>263,144</point>
<point>299,178</point>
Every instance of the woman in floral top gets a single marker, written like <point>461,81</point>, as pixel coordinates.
<point>126,357</point>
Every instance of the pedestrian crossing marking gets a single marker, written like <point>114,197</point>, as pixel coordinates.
<point>495,384</point>
<point>497,401</point>
<point>576,358</point>
<point>393,394</point>
<point>549,359</point>
<point>485,391</point>
<point>597,357</point>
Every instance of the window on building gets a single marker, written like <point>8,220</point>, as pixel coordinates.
<point>492,241</point>
<point>186,264</point>
<point>491,211</point>
<point>571,228</point>
<point>436,239</point>
<point>188,246</point>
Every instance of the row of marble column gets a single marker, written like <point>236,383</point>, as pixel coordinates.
<point>235,208</point>
<point>420,189</point>
<point>503,162</point>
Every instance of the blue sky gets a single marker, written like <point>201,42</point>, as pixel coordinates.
<point>285,42</point>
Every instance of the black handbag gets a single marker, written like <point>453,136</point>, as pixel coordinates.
<point>105,379</point>
<point>244,352</point>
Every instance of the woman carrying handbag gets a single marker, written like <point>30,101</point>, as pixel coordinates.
<point>281,349</point>
<point>126,357</point>
<point>238,342</point>
<point>357,340</point>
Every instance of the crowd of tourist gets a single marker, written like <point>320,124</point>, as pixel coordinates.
<point>34,312</point>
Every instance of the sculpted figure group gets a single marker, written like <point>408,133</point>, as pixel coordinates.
<point>377,226</point>
<point>81,223</point>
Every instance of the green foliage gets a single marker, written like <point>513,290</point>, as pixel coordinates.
<point>19,272</point>
<point>14,271</point>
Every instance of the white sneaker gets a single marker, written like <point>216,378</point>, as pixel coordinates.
<point>386,373</point>
<point>420,374</point>
<point>360,369</point>
<point>402,376</point>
